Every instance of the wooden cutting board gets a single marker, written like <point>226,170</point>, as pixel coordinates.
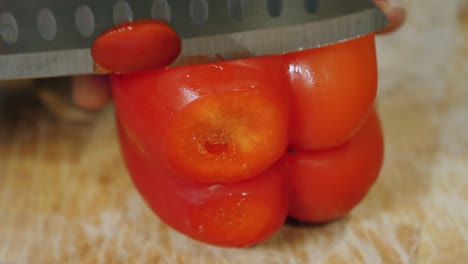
<point>65,196</point>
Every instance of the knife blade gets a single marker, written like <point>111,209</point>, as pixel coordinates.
<point>50,38</point>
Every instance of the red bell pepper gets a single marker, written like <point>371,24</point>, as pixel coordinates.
<point>224,151</point>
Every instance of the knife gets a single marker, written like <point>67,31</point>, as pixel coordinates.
<point>51,38</point>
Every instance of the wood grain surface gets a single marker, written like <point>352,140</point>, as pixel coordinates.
<point>65,196</point>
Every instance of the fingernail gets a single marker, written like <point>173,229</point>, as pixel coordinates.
<point>395,3</point>
<point>394,11</point>
<point>390,4</point>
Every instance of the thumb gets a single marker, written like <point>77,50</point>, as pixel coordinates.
<point>394,11</point>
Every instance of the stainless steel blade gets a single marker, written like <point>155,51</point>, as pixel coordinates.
<point>46,38</point>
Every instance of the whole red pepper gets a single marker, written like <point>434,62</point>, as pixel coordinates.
<point>224,151</point>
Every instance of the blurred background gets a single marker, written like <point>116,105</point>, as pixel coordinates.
<point>65,196</point>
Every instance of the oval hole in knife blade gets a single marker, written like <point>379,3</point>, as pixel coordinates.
<point>9,30</point>
<point>275,7</point>
<point>236,9</point>
<point>199,11</point>
<point>312,6</point>
<point>46,24</point>
<point>84,20</point>
<point>161,10</point>
<point>122,13</point>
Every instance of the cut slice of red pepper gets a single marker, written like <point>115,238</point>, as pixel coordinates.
<point>136,46</point>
